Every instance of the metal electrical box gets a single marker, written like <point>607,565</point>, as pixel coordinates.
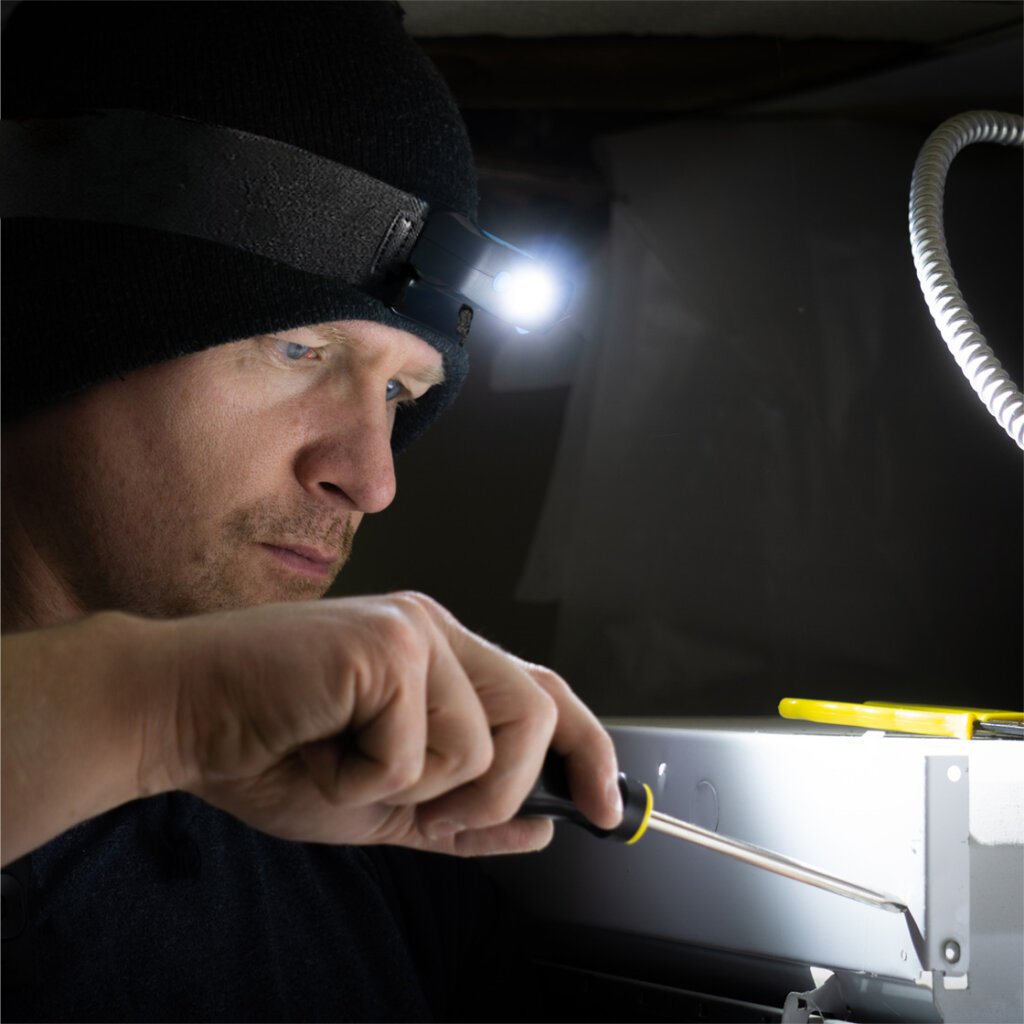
<point>937,823</point>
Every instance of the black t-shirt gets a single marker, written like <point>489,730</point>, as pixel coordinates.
<point>169,910</point>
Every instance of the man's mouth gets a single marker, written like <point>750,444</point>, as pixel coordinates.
<point>304,560</point>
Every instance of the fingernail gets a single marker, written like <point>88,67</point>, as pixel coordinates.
<point>615,797</point>
<point>443,829</point>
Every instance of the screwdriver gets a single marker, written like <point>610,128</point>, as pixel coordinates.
<point>550,798</point>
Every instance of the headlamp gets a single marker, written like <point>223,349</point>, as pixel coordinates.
<point>173,174</point>
<point>453,260</point>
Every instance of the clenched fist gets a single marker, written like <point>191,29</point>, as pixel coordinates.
<point>371,720</point>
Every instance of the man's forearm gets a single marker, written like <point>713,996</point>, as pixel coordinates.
<point>244,709</point>
<point>79,706</point>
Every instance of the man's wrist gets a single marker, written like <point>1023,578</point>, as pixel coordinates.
<point>147,708</point>
<point>88,723</point>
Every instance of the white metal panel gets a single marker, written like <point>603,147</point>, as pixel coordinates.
<point>853,805</point>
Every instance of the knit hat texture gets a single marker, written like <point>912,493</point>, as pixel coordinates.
<point>86,302</point>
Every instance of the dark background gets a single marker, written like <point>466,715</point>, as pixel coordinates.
<point>541,85</point>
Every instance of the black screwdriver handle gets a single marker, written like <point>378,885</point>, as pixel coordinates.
<point>550,798</point>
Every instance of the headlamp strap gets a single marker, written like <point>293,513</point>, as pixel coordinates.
<point>219,184</point>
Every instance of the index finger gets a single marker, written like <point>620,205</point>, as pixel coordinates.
<point>591,762</point>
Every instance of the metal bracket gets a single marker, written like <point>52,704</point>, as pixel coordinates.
<point>824,1003</point>
<point>947,895</point>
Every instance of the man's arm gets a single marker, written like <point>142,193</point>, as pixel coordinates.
<point>75,703</point>
<point>364,720</point>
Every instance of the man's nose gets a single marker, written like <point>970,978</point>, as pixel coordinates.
<point>350,462</point>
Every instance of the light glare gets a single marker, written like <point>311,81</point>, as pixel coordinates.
<point>528,293</point>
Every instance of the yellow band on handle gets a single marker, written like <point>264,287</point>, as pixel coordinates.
<point>646,818</point>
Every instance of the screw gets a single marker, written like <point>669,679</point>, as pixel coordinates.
<point>951,951</point>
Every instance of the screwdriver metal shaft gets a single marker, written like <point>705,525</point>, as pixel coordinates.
<point>550,797</point>
<point>761,858</point>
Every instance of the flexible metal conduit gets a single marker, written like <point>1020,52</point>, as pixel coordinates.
<point>928,243</point>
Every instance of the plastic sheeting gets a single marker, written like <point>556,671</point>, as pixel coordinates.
<point>773,480</point>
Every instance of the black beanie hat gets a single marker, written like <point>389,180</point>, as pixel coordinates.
<point>85,302</point>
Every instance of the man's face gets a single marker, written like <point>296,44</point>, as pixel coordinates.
<point>231,477</point>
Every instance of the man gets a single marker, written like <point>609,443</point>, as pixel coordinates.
<point>201,760</point>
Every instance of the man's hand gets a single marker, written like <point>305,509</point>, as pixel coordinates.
<point>371,720</point>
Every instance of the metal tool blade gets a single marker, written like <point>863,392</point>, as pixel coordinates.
<point>1001,727</point>
<point>769,861</point>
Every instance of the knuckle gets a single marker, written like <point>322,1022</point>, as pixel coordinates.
<point>478,761</point>
<point>411,620</point>
<point>399,633</point>
<point>468,760</point>
<point>400,773</point>
<point>429,610</point>
<point>552,683</point>
<point>544,710</point>
<point>413,601</point>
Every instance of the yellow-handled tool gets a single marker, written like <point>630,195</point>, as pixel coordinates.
<point>920,719</point>
<point>550,799</point>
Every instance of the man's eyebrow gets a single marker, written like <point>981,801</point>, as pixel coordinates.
<point>431,375</point>
<point>330,333</point>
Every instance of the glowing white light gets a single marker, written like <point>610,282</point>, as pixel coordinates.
<point>528,294</point>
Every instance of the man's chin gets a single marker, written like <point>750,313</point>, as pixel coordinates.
<point>234,594</point>
<point>260,574</point>
<point>283,587</point>
<point>297,591</point>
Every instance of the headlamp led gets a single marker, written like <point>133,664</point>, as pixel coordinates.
<point>432,266</point>
<point>454,261</point>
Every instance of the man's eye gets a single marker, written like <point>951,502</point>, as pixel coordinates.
<point>293,350</point>
<point>394,390</point>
